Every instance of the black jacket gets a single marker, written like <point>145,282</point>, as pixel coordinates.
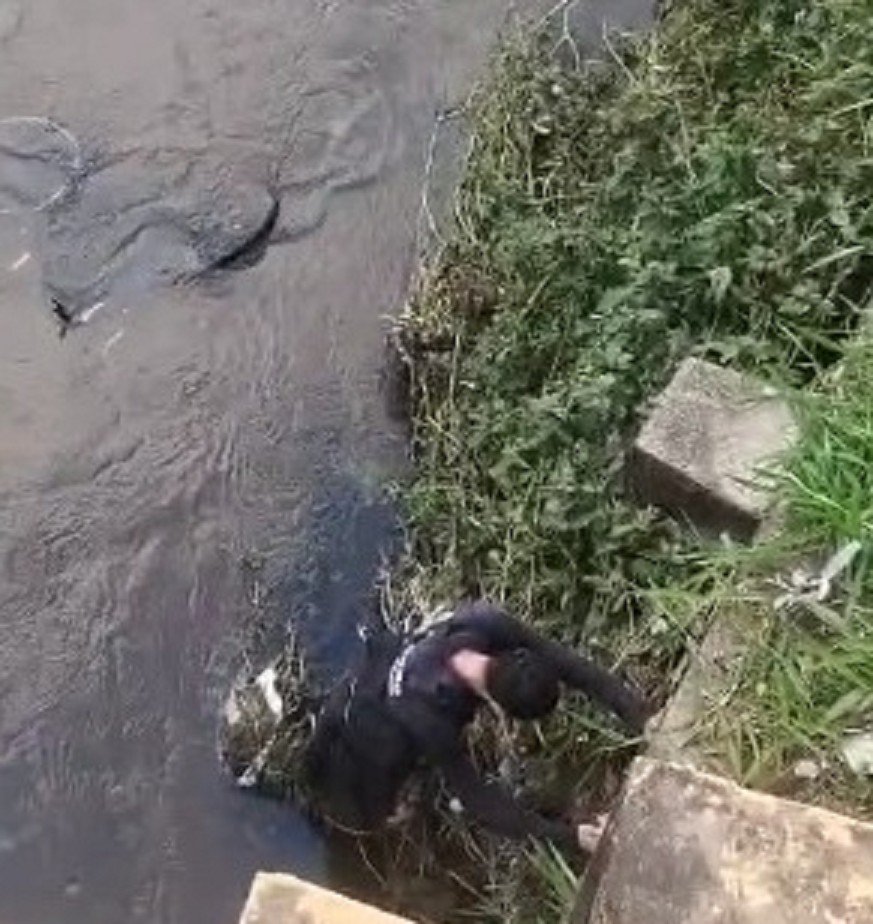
<point>406,707</point>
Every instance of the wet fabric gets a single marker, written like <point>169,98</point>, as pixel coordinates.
<point>406,709</point>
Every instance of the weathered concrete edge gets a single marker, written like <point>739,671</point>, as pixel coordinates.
<point>280,898</point>
<point>709,669</point>
<point>845,833</point>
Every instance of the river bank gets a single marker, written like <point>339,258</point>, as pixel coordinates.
<point>193,463</point>
<point>706,191</point>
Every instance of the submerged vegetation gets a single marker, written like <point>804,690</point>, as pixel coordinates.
<point>705,190</point>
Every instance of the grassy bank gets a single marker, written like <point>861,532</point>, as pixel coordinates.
<point>709,191</point>
<point>806,680</point>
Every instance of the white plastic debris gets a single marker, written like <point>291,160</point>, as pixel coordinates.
<point>589,835</point>
<point>807,770</point>
<point>858,752</point>
<point>86,315</point>
<point>266,680</point>
<point>805,586</point>
<point>248,778</point>
<point>835,566</point>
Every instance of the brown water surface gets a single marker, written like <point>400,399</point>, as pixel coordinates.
<point>197,458</point>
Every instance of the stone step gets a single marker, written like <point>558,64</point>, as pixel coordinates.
<point>701,451</point>
<point>278,898</point>
<point>686,847</point>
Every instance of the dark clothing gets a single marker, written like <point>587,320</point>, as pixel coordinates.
<point>407,707</point>
<point>359,756</point>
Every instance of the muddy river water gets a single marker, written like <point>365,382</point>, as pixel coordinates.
<point>192,430</point>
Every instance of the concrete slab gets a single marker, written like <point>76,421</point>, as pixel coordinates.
<point>685,847</point>
<point>710,668</point>
<point>700,453</point>
<point>277,898</point>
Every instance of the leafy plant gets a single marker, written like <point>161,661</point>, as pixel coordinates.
<point>708,191</point>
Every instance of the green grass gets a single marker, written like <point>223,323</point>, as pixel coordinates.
<point>828,478</point>
<point>711,195</point>
<point>808,676</point>
<point>709,192</point>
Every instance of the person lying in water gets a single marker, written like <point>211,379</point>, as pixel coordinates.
<point>409,704</point>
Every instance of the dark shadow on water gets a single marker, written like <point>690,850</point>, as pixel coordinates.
<point>353,533</point>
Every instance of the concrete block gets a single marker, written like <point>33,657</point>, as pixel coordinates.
<point>700,453</point>
<point>685,847</point>
<point>277,898</point>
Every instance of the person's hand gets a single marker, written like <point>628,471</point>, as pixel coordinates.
<point>588,835</point>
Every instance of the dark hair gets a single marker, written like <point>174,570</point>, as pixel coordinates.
<point>523,684</point>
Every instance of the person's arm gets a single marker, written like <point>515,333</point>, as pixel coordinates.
<point>503,632</point>
<point>601,685</point>
<point>440,741</point>
<point>494,808</point>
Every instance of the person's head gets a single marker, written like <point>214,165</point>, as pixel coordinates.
<point>522,684</point>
